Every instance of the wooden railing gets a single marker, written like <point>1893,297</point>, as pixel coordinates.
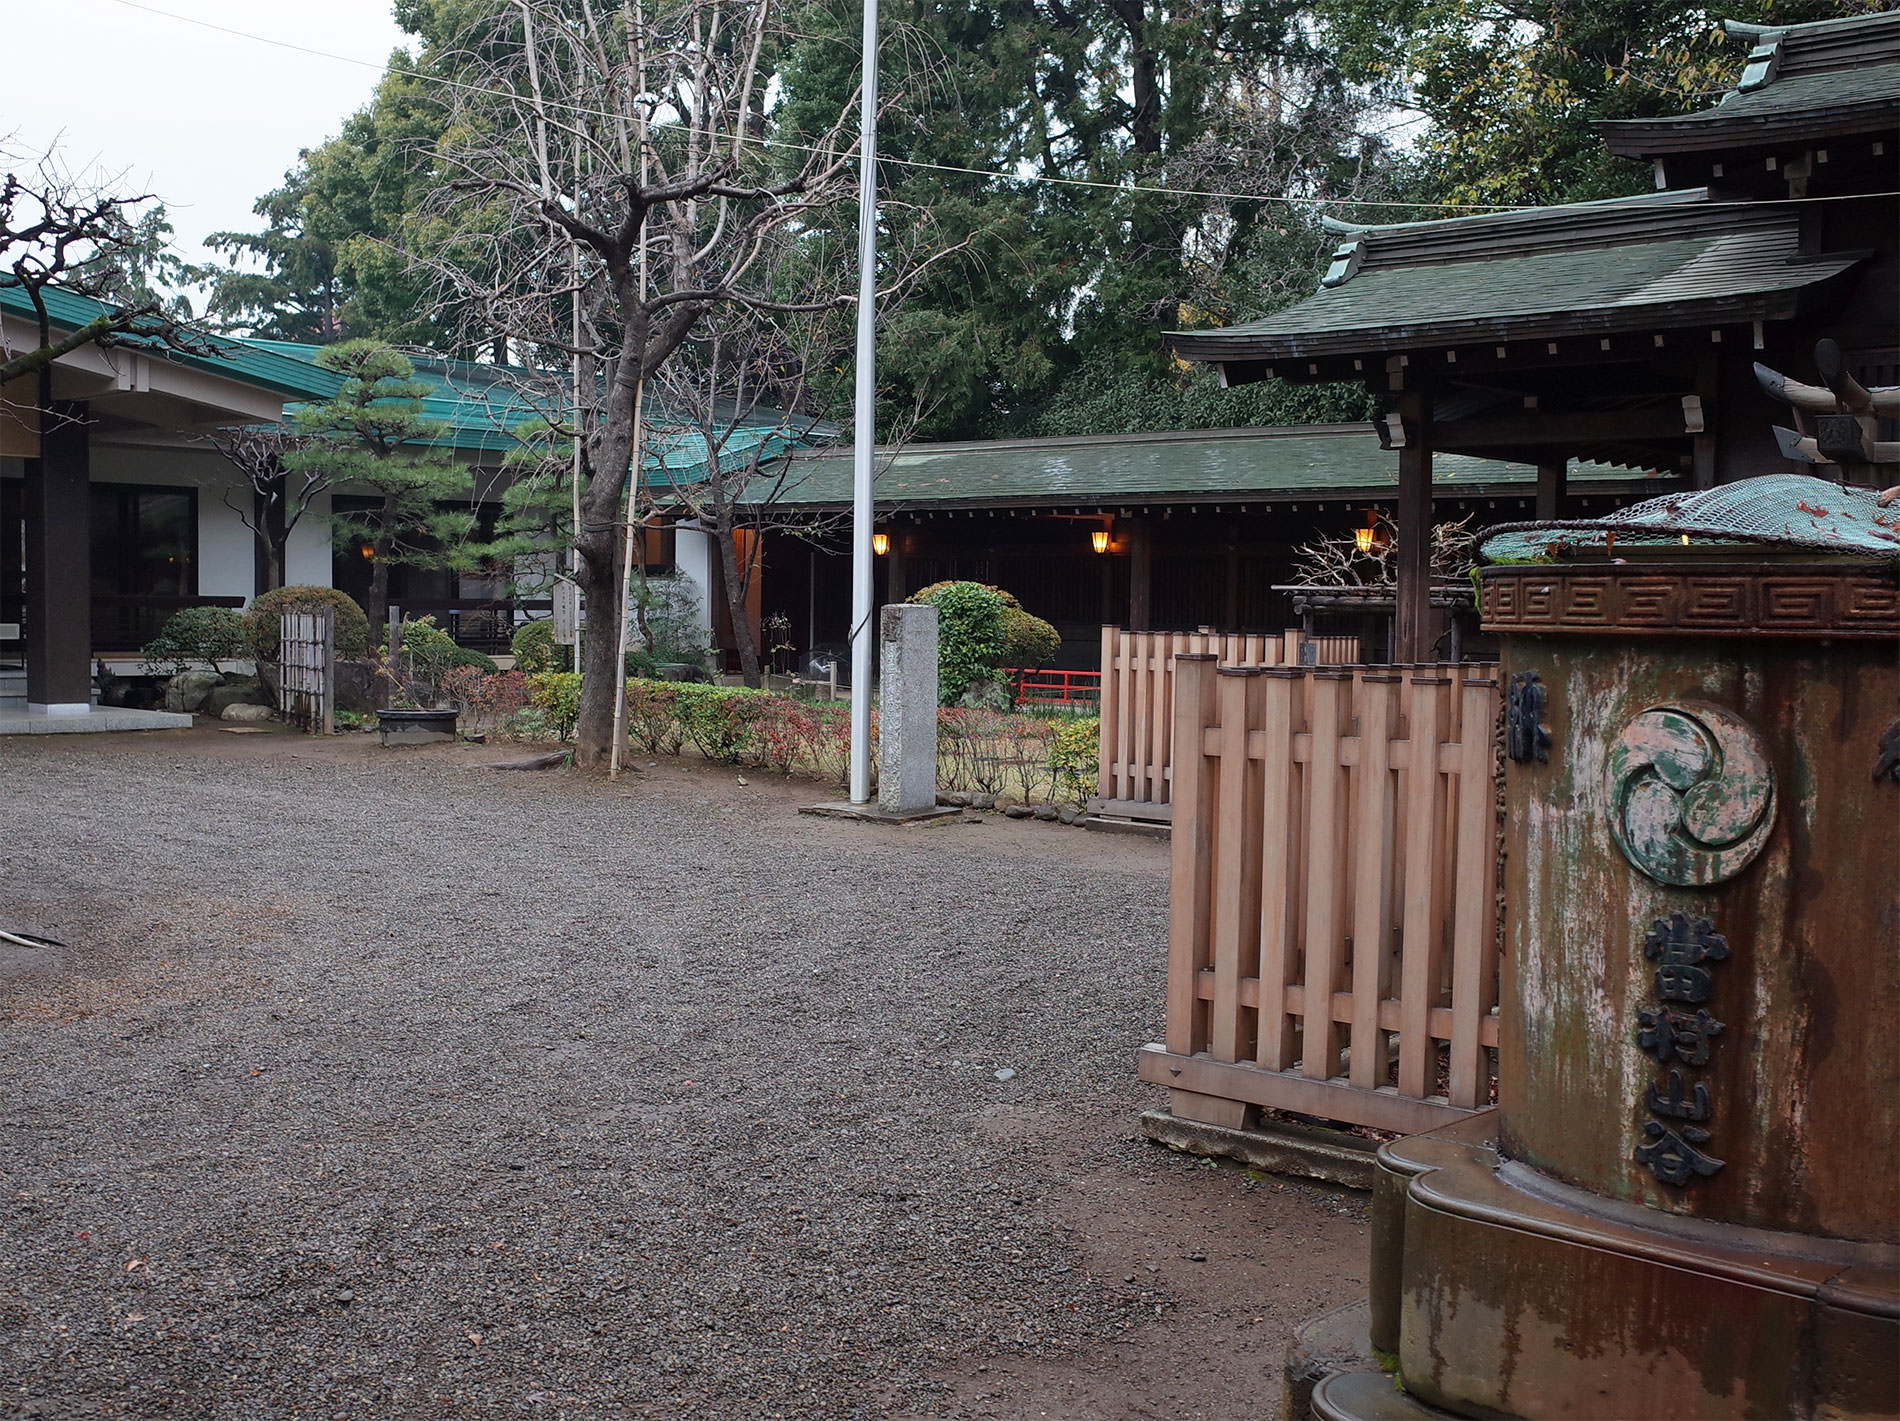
<point>1332,930</point>
<point>1066,690</point>
<point>1137,708</point>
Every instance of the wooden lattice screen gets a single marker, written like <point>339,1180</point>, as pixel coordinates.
<point>1332,923</point>
<point>308,666</point>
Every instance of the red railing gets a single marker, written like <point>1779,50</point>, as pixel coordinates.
<point>1055,688</point>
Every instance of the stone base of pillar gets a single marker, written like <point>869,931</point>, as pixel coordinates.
<point>871,814</point>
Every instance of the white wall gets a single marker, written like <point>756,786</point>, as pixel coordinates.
<point>307,559</point>
<point>694,555</point>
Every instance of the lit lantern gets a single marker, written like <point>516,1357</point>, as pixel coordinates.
<point>880,543</point>
<point>1362,539</point>
<point>1099,539</point>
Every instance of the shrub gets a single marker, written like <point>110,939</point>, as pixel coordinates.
<point>429,654</point>
<point>1075,755</point>
<point>535,649</point>
<point>1027,639</point>
<point>486,698</point>
<point>197,636</point>
<point>1017,638</point>
<point>969,634</point>
<point>653,716</point>
<point>557,696</point>
<point>263,624</point>
<point>724,721</point>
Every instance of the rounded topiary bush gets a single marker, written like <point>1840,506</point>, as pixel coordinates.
<point>970,637</point>
<point>1028,639</point>
<point>264,629</point>
<point>981,628</point>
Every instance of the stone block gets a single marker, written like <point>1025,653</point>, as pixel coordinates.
<point>907,709</point>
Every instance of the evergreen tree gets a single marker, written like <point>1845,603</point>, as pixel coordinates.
<point>373,439</point>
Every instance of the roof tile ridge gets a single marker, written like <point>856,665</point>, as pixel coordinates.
<point>1611,223</point>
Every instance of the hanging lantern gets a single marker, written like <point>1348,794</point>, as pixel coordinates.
<point>880,543</point>
<point>1099,540</point>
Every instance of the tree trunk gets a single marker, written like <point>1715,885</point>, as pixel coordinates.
<point>603,675</point>
<point>735,581</point>
<point>376,605</point>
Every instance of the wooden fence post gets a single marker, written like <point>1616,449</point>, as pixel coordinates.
<point>1108,709</point>
<point>1474,955</point>
<point>1373,830</point>
<point>1190,881</point>
<point>1326,810</point>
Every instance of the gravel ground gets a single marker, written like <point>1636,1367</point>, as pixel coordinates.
<point>373,1084</point>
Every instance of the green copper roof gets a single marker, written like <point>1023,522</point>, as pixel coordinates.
<point>249,362</point>
<point>1772,511</point>
<point>484,408</point>
<point>1203,466</point>
<point>1667,261</point>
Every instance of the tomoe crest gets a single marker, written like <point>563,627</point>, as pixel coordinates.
<point>1691,794</point>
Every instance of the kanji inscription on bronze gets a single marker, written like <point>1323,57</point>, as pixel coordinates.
<point>1525,738</point>
<point>1682,948</point>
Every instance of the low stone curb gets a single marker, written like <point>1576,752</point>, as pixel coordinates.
<point>1273,1146</point>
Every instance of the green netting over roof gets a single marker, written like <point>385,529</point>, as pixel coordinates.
<point>1777,510</point>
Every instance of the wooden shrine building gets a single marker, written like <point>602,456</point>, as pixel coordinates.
<point>1625,332</point>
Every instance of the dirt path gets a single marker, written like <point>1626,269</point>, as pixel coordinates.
<point>373,1084</point>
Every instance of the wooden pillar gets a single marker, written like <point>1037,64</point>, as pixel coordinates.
<point>1550,489</point>
<point>1708,386</point>
<point>1140,575</point>
<point>895,587</point>
<point>58,516</point>
<point>1417,624</point>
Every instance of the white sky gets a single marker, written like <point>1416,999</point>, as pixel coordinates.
<point>206,120</point>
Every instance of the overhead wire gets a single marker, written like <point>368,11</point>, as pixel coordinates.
<point>1026,179</point>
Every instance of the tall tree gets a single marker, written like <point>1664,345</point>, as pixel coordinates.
<point>374,438</point>
<point>1508,89</point>
<point>616,181</point>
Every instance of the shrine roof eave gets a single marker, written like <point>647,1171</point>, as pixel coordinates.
<point>1715,131</point>
<point>1238,347</point>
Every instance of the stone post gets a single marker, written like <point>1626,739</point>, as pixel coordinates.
<point>907,709</point>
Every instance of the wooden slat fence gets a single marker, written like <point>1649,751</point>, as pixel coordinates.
<point>307,668</point>
<point>1332,931</point>
<point>1137,709</point>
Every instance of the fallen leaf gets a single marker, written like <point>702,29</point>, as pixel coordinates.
<point>135,1317</point>
<point>135,1265</point>
<point>475,1338</point>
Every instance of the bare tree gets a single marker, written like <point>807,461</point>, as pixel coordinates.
<point>628,150</point>
<point>274,499</point>
<point>62,232</point>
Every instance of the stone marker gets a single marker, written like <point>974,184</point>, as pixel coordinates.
<point>907,713</point>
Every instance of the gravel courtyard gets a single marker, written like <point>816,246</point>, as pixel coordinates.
<point>375,1084</point>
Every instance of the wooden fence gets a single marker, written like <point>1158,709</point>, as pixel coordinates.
<point>1137,708</point>
<point>1332,931</point>
<point>307,666</point>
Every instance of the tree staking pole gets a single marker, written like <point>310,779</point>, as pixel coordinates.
<point>863,420</point>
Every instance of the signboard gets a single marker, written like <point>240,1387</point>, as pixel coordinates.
<point>567,611</point>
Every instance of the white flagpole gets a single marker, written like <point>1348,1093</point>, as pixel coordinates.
<point>863,419</point>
